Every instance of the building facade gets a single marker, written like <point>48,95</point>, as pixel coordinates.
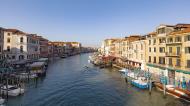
<point>33,47</point>
<point>14,44</point>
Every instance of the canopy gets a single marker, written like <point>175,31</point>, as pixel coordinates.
<point>37,64</point>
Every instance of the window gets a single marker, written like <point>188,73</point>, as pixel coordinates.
<point>154,59</point>
<point>161,31</point>
<point>170,49</point>
<point>149,42</point>
<point>188,63</point>
<point>161,60</point>
<point>170,62</point>
<point>187,38</point>
<point>178,61</point>
<point>149,49</point>
<point>8,34</point>
<point>21,39</point>
<point>154,41</point>
<point>162,40</point>
<point>162,49</point>
<point>187,50</point>
<point>8,48</point>
<point>154,49</point>
<point>8,40</point>
<point>0,48</point>
<point>178,39</point>
<point>13,57</point>
<point>178,50</point>
<point>149,60</point>
<point>21,48</point>
<point>27,39</point>
<point>170,40</point>
<point>141,46</point>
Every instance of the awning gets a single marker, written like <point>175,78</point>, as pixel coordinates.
<point>183,71</point>
<point>37,64</point>
<point>43,59</point>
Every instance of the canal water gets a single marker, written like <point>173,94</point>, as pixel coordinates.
<point>68,83</point>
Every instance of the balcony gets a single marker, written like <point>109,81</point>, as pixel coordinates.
<point>173,43</point>
<point>173,54</point>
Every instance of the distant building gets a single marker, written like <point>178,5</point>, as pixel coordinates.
<point>43,46</point>
<point>33,46</point>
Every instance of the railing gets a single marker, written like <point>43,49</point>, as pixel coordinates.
<point>173,54</point>
<point>173,42</point>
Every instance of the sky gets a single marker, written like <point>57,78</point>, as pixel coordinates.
<point>91,21</point>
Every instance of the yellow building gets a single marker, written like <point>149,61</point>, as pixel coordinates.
<point>108,47</point>
<point>168,51</point>
<point>156,47</point>
<point>178,54</point>
<point>133,51</point>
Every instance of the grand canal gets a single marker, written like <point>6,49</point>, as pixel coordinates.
<point>68,83</point>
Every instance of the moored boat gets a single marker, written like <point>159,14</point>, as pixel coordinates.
<point>26,75</point>
<point>179,93</point>
<point>140,83</point>
<point>12,90</point>
<point>2,100</point>
<point>123,70</point>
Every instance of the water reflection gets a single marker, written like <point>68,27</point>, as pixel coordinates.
<point>68,83</point>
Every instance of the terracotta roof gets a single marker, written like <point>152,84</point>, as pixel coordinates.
<point>187,30</point>
<point>152,33</point>
<point>182,25</point>
<point>14,31</point>
<point>133,38</point>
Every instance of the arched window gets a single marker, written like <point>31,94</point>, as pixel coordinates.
<point>8,48</point>
<point>21,48</point>
<point>21,39</point>
<point>8,40</point>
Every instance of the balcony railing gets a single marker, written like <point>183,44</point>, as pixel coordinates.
<point>173,54</point>
<point>174,42</point>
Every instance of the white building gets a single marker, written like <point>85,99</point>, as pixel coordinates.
<point>14,44</point>
<point>17,45</point>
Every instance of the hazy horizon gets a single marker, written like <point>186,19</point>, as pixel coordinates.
<point>91,21</point>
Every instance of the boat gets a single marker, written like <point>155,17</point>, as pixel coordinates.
<point>38,68</point>
<point>25,75</point>
<point>12,90</point>
<point>123,70</point>
<point>63,56</point>
<point>131,75</point>
<point>2,100</point>
<point>140,83</point>
<point>174,91</point>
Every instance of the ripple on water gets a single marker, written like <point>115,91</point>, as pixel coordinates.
<point>68,84</point>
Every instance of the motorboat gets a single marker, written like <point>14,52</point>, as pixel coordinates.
<point>140,83</point>
<point>12,90</point>
<point>63,56</point>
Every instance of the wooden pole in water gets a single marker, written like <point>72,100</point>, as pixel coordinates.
<point>150,86</point>
<point>7,86</point>
<point>164,86</point>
